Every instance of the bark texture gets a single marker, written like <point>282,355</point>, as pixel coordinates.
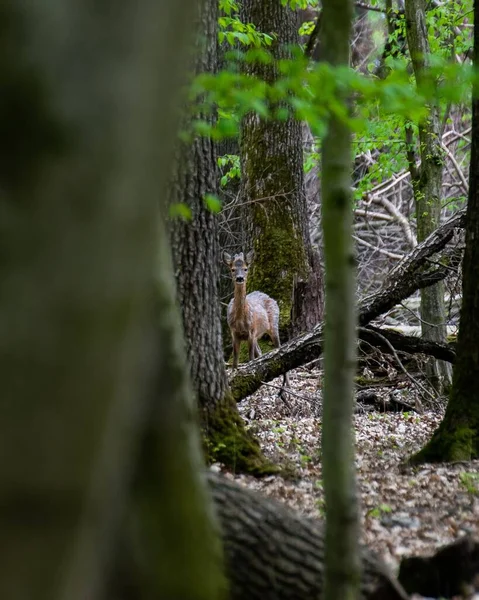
<point>342,560</point>
<point>86,136</point>
<point>272,553</point>
<point>427,183</point>
<point>272,185</point>
<point>197,264</point>
<point>457,438</point>
<point>410,275</point>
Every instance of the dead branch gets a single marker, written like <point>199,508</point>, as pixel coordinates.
<point>413,273</point>
<point>406,343</point>
<point>272,553</point>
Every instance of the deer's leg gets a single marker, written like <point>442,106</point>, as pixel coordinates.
<point>252,346</point>
<point>236,348</point>
<point>274,335</point>
<point>277,344</point>
<point>257,350</point>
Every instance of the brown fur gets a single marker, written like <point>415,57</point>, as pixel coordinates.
<point>249,316</point>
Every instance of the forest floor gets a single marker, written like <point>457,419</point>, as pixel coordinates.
<point>404,511</point>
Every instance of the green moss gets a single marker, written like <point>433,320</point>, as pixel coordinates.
<point>279,259</point>
<point>265,345</point>
<point>226,440</point>
<point>243,386</point>
<point>462,444</point>
<point>280,255</point>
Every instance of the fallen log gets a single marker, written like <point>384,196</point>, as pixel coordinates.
<point>446,574</point>
<point>381,404</point>
<point>272,553</point>
<point>414,272</point>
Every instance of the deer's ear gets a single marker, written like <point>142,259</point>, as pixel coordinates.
<point>250,256</point>
<point>227,258</point>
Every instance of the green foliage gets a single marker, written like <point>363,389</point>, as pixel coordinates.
<point>228,7</point>
<point>300,4</point>
<point>380,510</point>
<point>383,108</point>
<point>470,481</point>
<point>310,93</point>
<point>307,28</point>
<point>180,210</point>
<point>232,30</point>
<point>232,163</point>
<point>212,203</point>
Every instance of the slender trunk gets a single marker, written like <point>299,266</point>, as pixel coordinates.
<point>457,438</point>
<point>427,190</point>
<point>342,521</point>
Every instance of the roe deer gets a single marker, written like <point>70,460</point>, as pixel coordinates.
<point>249,316</point>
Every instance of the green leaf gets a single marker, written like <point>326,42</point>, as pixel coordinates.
<point>180,210</point>
<point>213,203</point>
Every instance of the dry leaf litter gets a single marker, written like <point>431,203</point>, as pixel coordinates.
<point>404,511</point>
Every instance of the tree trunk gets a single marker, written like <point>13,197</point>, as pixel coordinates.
<point>427,184</point>
<point>85,148</point>
<point>272,553</point>
<point>272,185</point>
<point>169,547</point>
<point>457,438</point>
<point>197,264</point>
<point>410,275</point>
<point>342,573</point>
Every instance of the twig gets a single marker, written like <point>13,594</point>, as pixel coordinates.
<point>417,383</point>
<point>282,395</point>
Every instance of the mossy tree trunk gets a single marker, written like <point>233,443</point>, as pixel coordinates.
<point>285,266</point>
<point>342,520</point>
<point>197,267</point>
<point>427,183</point>
<point>86,146</point>
<point>457,438</point>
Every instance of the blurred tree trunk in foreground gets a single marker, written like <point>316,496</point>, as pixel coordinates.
<point>342,519</point>
<point>86,145</point>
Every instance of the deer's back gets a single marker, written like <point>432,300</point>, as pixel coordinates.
<point>261,310</point>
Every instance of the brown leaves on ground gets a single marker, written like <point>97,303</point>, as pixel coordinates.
<point>404,511</point>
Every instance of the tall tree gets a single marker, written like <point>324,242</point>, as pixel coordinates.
<point>457,438</point>
<point>197,264</point>
<point>86,146</point>
<point>427,182</point>
<point>272,186</point>
<point>342,520</point>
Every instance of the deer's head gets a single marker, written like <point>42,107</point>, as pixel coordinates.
<point>238,266</point>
